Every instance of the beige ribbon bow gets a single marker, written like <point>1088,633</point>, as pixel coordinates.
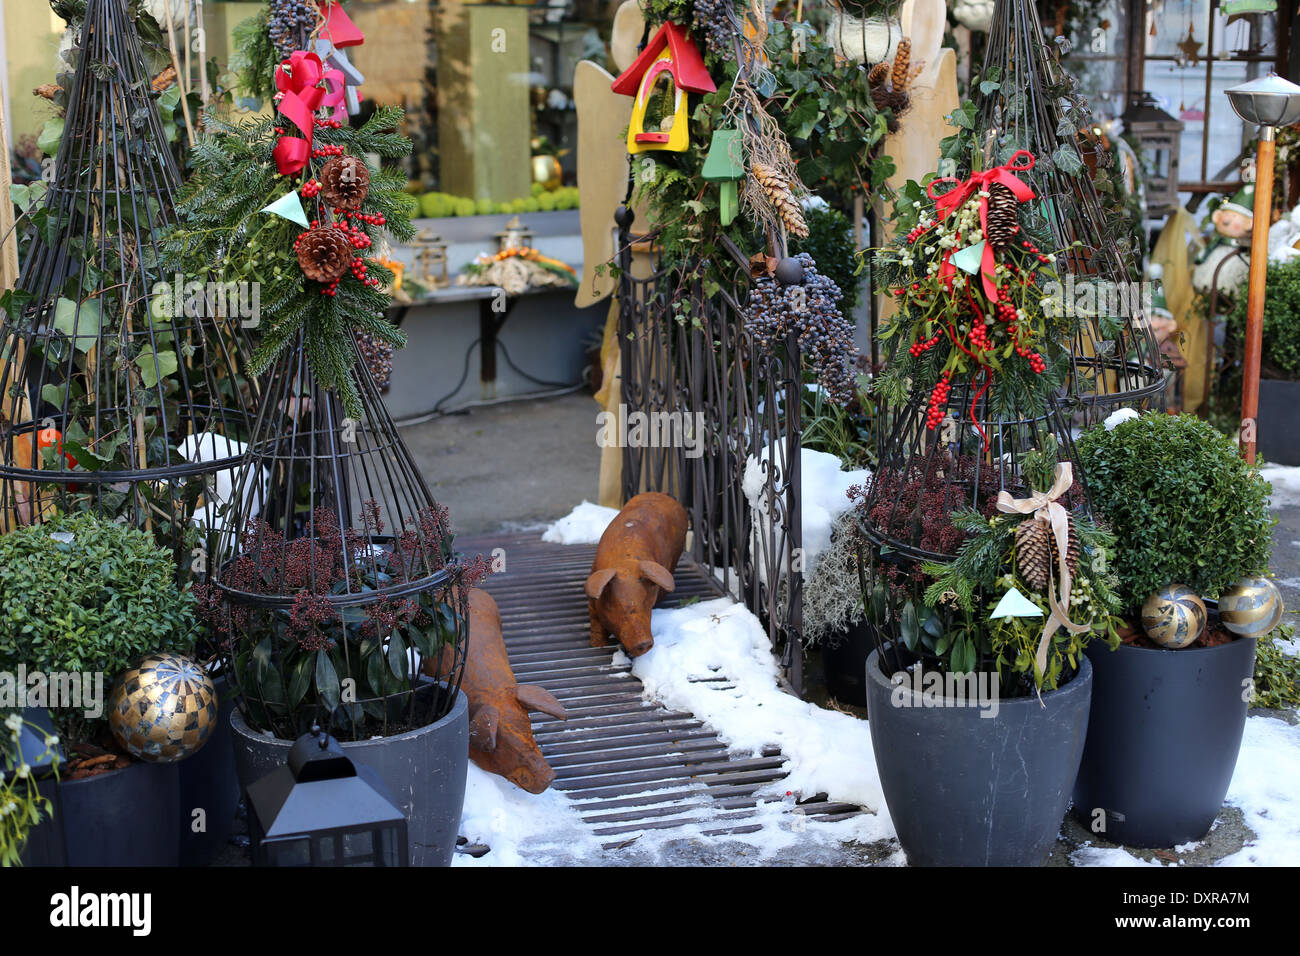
<point>1043,504</point>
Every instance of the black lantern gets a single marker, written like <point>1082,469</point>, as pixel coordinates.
<point>1159,136</point>
<point>324,810</point>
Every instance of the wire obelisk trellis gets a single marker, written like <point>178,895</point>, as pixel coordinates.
<point>331,544</point>
<point>121,389</point>
<point>1026,100</point>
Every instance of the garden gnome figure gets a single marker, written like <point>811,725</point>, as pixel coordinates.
<point>1232,221</point>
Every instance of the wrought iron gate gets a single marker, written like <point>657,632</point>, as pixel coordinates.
<point>687,361</point>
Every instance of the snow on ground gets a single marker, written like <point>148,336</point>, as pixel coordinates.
<point>696,645</point>
<point>1264,786</point>
<point>1286,484</point>
<point>583,525</point>
<point>522,829</point>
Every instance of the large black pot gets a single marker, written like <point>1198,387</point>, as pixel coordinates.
<point>1163,739</point>
<point>121,818</point>
<point>844,664</point>
<point>208,782</point>
<point>1279,421</point>
<point>424,770</point>
<point>967,790</point>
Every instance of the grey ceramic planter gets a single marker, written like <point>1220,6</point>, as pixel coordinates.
<point>424,769</point>
<point>967,790</point>
<point>1163,739</point>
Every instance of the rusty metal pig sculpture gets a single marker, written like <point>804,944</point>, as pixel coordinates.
<point>634,564</point>
<point>500,732</point>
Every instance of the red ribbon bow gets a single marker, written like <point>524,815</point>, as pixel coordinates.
<point>298,79</point>
<point>953,200</point>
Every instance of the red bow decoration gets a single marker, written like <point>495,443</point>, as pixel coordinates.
<point>298,79</point>
<point>953,200</point>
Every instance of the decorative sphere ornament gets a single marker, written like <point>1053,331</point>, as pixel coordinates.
<point>789,271</point>
<point>163,709</point>
<point>1174,616</point>
<point>1252,607</point>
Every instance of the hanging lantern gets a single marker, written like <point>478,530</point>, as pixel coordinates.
<point>323,809</point>
<point>1158,137</point>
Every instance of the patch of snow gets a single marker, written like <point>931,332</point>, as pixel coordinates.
<point>827,752</point>
<point>1107,856</point>
<point>1285,480</point>
<point>522,829</point>
<point>1118,417</point>
<point>1264,787</point>
<point>824,487</point>
<point>583,525</point>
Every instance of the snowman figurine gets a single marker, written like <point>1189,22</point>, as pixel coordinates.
<point>1226,256</point>
<point>1284,238</point>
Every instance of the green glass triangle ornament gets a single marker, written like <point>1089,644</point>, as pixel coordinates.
<point>968,259</point>
<point>288,206</point>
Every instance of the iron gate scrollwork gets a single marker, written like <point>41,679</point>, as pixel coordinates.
<point>688,361</point>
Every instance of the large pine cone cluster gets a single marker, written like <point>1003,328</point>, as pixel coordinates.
<point>345,181</point>
<point>777,189</point>
<point>1036,552</point>
<point>1003,224</point>
<point>324,254</point>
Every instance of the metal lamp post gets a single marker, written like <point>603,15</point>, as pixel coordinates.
<point>1268,102</point>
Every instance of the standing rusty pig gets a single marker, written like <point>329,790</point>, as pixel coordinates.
<point>634,564</point>
<point>500,732</point>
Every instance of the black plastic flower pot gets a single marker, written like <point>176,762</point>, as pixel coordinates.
<point>424,769</point>
<point>1279,421</point>
<point>844,664</point>
<point>1163,739</point>
<point>972,786</point>
<point>122,818</point>
<point>209,783</point>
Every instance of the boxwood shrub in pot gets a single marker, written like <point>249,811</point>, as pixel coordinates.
<point>87,598</point>
<point>977,720</point>
<point>1279,388</point>
<point>1166,725</point>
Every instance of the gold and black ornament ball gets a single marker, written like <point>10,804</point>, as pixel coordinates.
<point>1251,607</point>
<point>1174,616</point>
<point>163,709</point>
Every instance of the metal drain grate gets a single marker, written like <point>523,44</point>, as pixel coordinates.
<point>629,764</point>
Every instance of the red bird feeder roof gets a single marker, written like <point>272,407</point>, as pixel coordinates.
<point>688,65</point>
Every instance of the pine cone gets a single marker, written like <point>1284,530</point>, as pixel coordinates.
<point>1003,224</point>
<point>879,73</point>
<point>324,254</point>
<point>1071,551</point>
<point>777,189</point>
<point>345,181</point>
<point>898,76</point>
<point>163,80</point>
<point>1034,552</point>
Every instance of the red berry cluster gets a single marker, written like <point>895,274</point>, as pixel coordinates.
<point>917,233</point>
<point>1036,361</point>
<point>310,189</point>
<point>938,401</point>
<point>329,123</point>
<point>1033,250</point>
<point>979,335</point>
<point>356,235</point>
<point>920,348</point>
<point>374,219</point>
<point>327,151</point>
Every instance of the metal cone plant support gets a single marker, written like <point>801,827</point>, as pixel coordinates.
<point>1269,102</point>
<point>1025,100</point>
<point>121,390</point>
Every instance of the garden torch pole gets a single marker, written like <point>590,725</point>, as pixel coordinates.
<point>1268,102</point>
<point>1255,287</point>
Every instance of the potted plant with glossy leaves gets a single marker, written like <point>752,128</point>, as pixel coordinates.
<point>1167,724</point>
